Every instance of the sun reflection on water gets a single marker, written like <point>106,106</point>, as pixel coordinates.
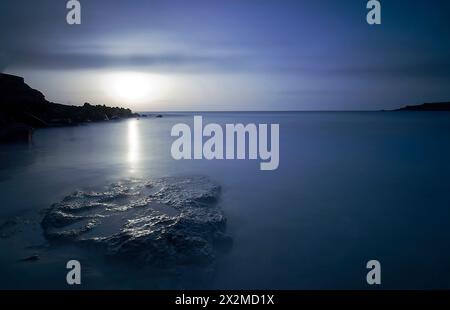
<point>133,144</point>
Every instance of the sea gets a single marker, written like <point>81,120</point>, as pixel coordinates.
<point>350,187</point>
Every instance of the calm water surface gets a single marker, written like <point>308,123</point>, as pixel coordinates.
<point>350,187</point>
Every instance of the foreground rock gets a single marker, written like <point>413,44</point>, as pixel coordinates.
<point>165,222</point>
<point>23,108</point>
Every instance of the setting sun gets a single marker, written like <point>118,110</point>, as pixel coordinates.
<point>135,87</point>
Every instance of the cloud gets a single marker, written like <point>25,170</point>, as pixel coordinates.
<point>165,61</point>
<point>207,61</point>
<point>422,69</point>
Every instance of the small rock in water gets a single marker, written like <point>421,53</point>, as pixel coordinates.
<point>168,222</point>
<point>31,258</point>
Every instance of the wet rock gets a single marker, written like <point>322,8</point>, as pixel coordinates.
<point>164,222</point>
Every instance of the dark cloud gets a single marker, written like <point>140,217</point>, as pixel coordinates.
<point>71,60</point>
<point>191,62</point>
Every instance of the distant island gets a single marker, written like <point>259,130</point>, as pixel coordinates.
<point>23,109</point>
<point>434,106</point>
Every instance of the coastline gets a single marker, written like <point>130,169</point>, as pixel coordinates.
<point>25,109</point>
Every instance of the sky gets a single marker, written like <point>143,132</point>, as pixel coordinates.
<point>172,55</point>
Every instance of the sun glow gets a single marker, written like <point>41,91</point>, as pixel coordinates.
<point>135,87</point>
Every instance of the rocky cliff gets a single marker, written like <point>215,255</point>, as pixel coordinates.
<point>22,109</point>
<point>435,106</point>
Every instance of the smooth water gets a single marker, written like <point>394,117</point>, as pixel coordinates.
<point>350,187</point>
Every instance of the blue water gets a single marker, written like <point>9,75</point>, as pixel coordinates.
<point>350,187</point>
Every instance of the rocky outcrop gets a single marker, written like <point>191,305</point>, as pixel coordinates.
<point>23,108</point>
<point>165,222</point>
<point>436,106</point>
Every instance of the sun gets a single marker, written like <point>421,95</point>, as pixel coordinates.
<point>135,87</point>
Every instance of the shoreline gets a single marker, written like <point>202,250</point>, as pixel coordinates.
<point>25,109</point>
